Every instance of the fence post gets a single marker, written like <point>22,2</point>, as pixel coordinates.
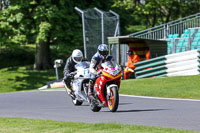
<point>102,22</point>
<point>83,22</point>
<point>166,31</point>
<point>189,42</point>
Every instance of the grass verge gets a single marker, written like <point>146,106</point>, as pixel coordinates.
<point>173,87</point>
<point>18,125</point>
<point>23,78</point>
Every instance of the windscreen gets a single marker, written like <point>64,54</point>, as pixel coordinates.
<point>109,64</point>
<point>83,64</point>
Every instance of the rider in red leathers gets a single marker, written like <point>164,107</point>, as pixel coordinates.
<point>98,58</point>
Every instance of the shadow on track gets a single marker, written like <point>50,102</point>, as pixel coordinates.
<point>125,103</point>
<point>139,110</point>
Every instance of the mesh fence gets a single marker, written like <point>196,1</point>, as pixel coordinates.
<point>4,4</point>
<point>110,27</point>
<point>93,29</point>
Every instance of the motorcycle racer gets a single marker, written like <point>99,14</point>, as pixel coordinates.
<point>76,57</point>
<point>98,58</point>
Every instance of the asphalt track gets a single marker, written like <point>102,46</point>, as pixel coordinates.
<point>56,105</point>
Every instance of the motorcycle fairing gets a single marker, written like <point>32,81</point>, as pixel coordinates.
<point>99,86</point>
<point>112,76</point>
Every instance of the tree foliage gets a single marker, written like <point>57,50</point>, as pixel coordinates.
<point>44,23</point>
<point>10,27</point>
<point>55,22</point>
<point>155,12</point>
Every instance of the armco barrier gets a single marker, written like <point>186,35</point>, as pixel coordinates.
<point>179,64</point>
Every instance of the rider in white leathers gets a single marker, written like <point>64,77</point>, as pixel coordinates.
<point>76,57</point>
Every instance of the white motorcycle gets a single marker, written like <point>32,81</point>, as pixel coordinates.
<point>80,83</point>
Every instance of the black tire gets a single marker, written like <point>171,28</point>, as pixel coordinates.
<point>76,102</point>
<point>94,107</point>
<point>113,100</point>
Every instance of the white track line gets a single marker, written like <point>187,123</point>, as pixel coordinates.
<point>52,90</point>
<point>162,98</point>
<point>145,97</point>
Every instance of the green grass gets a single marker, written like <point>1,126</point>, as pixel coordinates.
<point>18,125</point>
<point>21,78</point>
<point>176,87</point>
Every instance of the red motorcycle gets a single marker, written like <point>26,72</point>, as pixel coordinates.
<point>106,88</point>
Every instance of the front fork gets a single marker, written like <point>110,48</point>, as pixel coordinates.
<point>85,87</point>
<point>108,89</point>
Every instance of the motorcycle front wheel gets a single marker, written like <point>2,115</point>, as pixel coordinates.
<point>76,102</point>
<point>113,100</point>
<point>73,97</point>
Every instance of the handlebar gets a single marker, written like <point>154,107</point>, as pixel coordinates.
<point>72,73</point>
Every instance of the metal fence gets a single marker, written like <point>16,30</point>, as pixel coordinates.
<point>97,26</point>
<point>179,64</point>
<point>4,4</point>
<point>173,27</point>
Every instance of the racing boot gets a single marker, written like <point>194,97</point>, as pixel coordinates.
<point>90,89</point>
<point>68,87</point>
<point>69,90</point>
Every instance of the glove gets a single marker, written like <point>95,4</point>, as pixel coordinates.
<point>72,74</point>
<point>99,72</point>
<point>129,69</point>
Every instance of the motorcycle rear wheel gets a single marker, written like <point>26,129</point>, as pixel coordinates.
<point>94,107</point>
<point>113,100</point>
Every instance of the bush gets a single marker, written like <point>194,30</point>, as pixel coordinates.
<point>17,56</point>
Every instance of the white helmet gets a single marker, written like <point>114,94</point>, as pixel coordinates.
<point>77,56</point>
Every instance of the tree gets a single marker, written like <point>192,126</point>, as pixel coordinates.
<point>10,20</point>
<point>155,12</point>
<point>42,56</point>
<point>42,22</point>
<point>45,23</point>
